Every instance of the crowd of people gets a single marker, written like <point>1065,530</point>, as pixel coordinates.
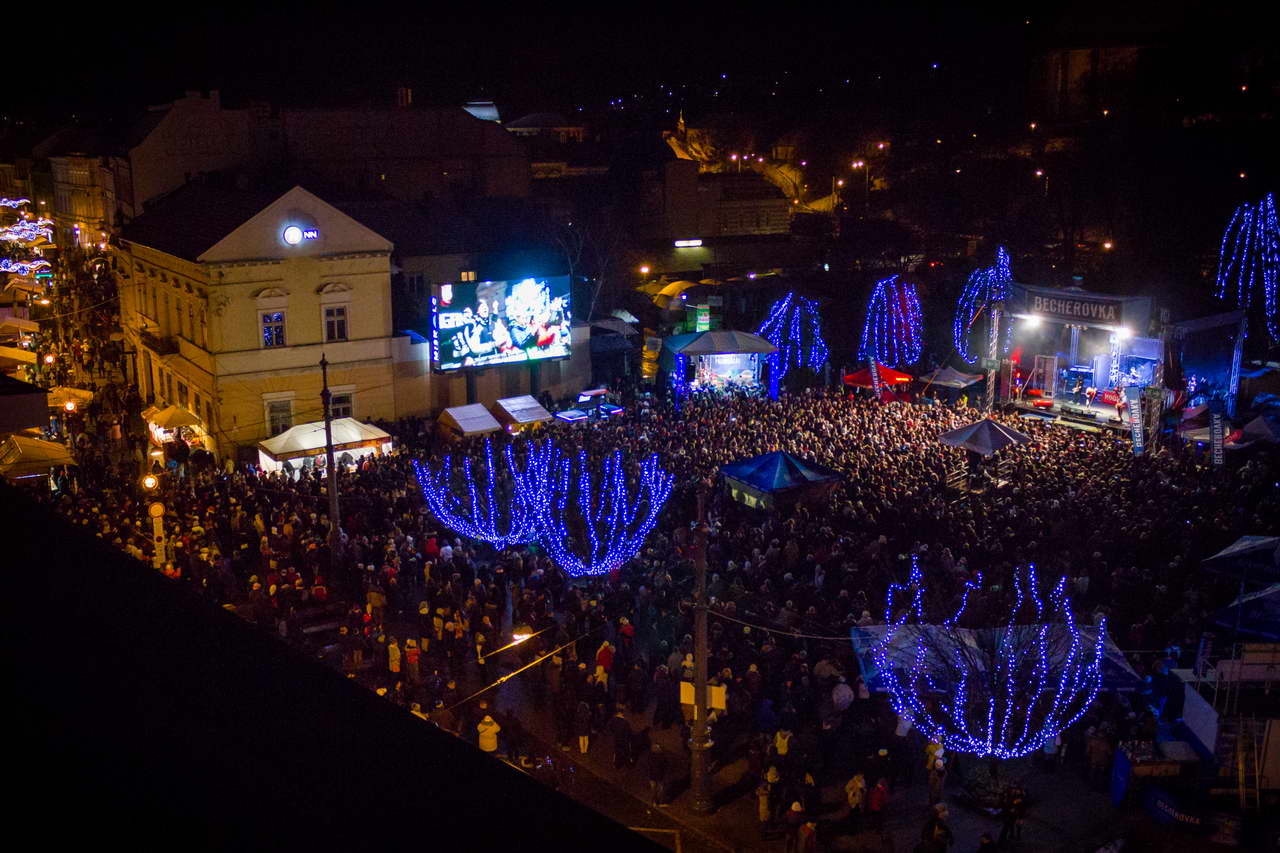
<point>431,619</point>
<point>424,616</point>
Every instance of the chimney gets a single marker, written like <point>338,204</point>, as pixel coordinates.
<point>404,96</point>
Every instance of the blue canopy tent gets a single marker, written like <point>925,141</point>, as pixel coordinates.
<point>1256,558</point>
<point>777,477</point>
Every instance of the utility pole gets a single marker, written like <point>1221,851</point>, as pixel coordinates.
<point>331,474</point>
<point>701,740</point>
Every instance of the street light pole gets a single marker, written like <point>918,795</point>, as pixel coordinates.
<point>331,472</point>
<point>700,746</point>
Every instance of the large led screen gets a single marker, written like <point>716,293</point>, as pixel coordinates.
<point>483,323</point>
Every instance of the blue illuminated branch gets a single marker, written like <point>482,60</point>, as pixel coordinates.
<point>795,328</point>
<point>501,506</point>
<point>1249,260</point>
<point>592,525</point>
<point>891,332</point>
<point>1002,691</point>
<point>984,287</point>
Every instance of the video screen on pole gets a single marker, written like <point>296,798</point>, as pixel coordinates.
<point>484,323</point>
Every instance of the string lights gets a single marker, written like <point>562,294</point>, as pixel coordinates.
<point>22,267</point>
<point>984,287</point>
<point>27,231</point>
<point>1001,691</point>
<point>592,526</point>
<point>1249,260</point>
<point>891,332</point>
<point>14,202</point>
<point>501,505</point>
<point>795,328</point>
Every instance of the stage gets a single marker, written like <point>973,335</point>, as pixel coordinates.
<point>1060,412</point>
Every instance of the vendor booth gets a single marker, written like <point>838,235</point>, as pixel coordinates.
<point>950,378</point>
<point>764,482</point>
<point>172,424</point>
<point>303,446</point>
<point>520,413</point>
<point>463,421</point>
<point>721,360</point>
<point>67,398</point>
<point>888,377</point>
<point>23,457</point>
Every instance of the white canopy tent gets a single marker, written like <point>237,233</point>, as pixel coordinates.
<point>22,456</point>
<point>350,437</point>
<point>472,419</point>
<point>949,377</point>
<point>519,412</point>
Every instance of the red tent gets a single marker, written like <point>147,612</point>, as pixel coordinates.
<point>888,376</point>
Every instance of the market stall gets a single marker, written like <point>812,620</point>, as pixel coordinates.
<point>303,446</point>
<point>778,478</point>
<point>172,424</point>
<point>463,421</point>
<point>23,457</point>
<point>520,413</point>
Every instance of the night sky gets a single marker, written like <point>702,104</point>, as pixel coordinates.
<point>318,53</point>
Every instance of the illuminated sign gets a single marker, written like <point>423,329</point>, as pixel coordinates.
<point>293,234</point>
<point>688,244</point>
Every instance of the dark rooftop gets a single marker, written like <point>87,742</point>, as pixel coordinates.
<point>193,218</point>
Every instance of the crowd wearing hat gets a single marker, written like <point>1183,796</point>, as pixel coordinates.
<point>422,613</point>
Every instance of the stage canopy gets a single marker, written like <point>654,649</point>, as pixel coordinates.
<point>722,342</point>
<point>304,440</point>
<point>22,456</point>
<point>520,411</point>
<point>985,437</point>
<point>888,376</point>
<point>473,419</point>
<point>1263,428</point>
<point>1257,613</point>
<point>22,405</point>
<point>949,377</point>
<point>1254,557</point>
<point>764,481</point>
<point>1117,673</point>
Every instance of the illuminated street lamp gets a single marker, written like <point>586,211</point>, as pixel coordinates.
<point>70,405</point>
<point>48,359</point>
<point>1108,245</point>
<point>644,269</point>
<point>150,482</point>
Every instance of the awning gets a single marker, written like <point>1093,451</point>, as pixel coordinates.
<point>722,342</point>
<point>21,456</point>
<point>17,325</point>
<point>60,395</point>
<point>949,377</point>
<point>171,417</point>
<point>520,410</point>
<point>14,356</point>
<point>473,419</point>
<point>25,285</point>
<point>309,439</point>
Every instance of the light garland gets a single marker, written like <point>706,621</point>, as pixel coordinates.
<point>27,231</point>
<point>22,267</point>
<point>1001,692</point>
<point>1249,259</point>
<point>891,332</point>
<point>509,519</point>
<point>984,287</point>
<point>596,525</point>
<point>795,328</point>
<point>14,202</point>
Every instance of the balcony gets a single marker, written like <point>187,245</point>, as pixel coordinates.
<point>158,345</point>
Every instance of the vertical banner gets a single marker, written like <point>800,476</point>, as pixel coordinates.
<point>1133,410</point>
<point>875,379</point>
<point>1217,431</point>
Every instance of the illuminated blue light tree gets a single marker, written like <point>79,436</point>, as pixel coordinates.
<point>679,380</point>
<point>984,287</point>
<point>891,333</point>
<point>593,525</point>
<point>999,692</point>
<point>795,328</point>
<point>501,505</point>
<point>1249,260</point>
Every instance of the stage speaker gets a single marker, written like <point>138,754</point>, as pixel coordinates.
<point>1078,413</point>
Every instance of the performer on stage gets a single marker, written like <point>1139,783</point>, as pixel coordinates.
<point>1089,394</point>
<point>1077,391</point>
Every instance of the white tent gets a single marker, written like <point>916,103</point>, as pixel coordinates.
<point>520,411</point>
<point>949,377</point>
<point>473,419</point>
<point>350,436</point>
<point>22,456</point>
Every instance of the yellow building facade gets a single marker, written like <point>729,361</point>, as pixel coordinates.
<point>232,326</point>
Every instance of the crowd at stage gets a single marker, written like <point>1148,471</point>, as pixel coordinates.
<point>418,612</point>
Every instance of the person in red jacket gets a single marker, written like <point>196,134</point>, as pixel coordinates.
<point>876,803</point>
<point>604,656</point>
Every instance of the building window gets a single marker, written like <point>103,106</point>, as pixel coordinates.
<point>182,395</point>
<point>191,321</point>
<point>273,328</point>
<point>195,403</point>
<point>341,406</point>
<point>335,323</point>
<point>279,415</point>
<point>208,414</point>
<point>468,275</point>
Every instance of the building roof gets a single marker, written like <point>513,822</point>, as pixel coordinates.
<point>533,120</point>
<point>194,218</point>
